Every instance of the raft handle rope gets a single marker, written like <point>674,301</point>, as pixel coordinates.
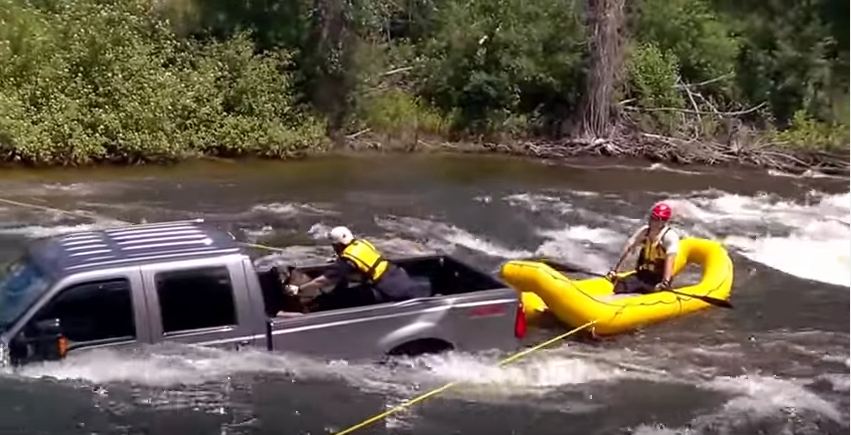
<point>407,404</point>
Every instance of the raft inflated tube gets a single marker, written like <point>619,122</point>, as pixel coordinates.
<point>574,303</point>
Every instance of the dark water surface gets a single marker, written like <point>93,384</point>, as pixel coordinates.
<point>777,363</point>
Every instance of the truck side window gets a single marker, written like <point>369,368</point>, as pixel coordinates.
<point>195,298</point>
<point>93,311</point>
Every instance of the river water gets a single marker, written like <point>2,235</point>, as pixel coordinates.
<point>777,364</point>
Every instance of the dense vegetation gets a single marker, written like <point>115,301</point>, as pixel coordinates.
<point>138,80</point>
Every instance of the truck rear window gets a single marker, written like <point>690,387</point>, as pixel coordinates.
<point>195,299</point>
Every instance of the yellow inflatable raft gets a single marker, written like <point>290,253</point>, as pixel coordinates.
<point>578,302</point>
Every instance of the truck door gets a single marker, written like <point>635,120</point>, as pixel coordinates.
<point>196,302</point>
<point>85,314</point>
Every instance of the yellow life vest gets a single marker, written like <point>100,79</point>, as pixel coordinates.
<point>366,258</point>
<point>652,256</point>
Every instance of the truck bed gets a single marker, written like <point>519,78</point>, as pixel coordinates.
<point>446,276</point>
<point>467,309</point>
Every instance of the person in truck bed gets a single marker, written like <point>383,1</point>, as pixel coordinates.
<point>387,281</point>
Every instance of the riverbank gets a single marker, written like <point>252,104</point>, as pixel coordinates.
<point>638,147</point>
<point>645,146</point>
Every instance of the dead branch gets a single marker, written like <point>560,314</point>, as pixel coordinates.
<point>694,112</point>
<point>396,71</point>
<point>355,135</point>
<point>694,105</point>
<point>703,83</point>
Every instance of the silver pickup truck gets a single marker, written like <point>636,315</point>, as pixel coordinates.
<point>189,283</point>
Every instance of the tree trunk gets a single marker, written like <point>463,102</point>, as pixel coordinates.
<point>331,54</point>
<point>605,22</point>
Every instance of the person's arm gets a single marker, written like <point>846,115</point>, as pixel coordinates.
<point>317,283</point>
<point>628,248</point>
<point>671,242</point>
<point>668,274</point>
<point>329,278</point>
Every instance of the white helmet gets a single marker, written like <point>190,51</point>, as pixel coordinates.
<point>341,235</point>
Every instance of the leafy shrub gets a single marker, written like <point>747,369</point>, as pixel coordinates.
<point>96,80</point>
<point>651,81</point>
<point>806,132</point>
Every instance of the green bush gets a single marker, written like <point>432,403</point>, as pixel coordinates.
<point>396,112</point>
<point>693,32</point>
<point>651,79</point>
<point>794,55</point>
<point>488,61</point>
<point>96,80</point>
<point>806,132</point>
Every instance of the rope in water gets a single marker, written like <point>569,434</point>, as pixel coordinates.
<point>436,391</point>
<point>46,208</point>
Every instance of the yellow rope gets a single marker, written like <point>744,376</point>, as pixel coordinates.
<point>439,390</point>
<point>255,245</point>
<point>42,207</point>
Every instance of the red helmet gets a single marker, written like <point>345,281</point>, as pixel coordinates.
<point>661,211</point>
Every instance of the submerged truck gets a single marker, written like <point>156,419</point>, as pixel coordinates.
<point>188,282</point>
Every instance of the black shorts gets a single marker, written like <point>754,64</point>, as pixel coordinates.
<point>639,282</point>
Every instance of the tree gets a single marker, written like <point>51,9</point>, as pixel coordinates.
<point>605,23</point>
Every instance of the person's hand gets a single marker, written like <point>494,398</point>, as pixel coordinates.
<point>612,275</point>
<point>664,285</point>
<point>291,289</point>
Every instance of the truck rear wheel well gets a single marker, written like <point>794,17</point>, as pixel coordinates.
<point>421,346</point>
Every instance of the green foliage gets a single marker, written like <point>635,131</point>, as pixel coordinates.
<point>395,112</point>
<point>143,80</point>
<point>791,56</point>
<point>98,80</point>
<point>652,77</point>
<point>651,81</point>
<point>689,29</point>
<point>488,60</point>
<point>806,132</point>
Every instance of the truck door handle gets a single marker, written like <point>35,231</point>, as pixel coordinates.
<point>242,343</point>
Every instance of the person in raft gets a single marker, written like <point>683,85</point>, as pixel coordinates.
<point>658,244</point>
<point>388,281</point>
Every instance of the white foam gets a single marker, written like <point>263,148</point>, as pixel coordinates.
<point>255,235</point>
<point>537,376</point>
<point>827,260</point>
<point>839,382</point>
<point>319,231</point>
<point>775,233</point>
<point>582,246</point>
<point>582,233</point>
<point>178,365</point>
<point>444,237</point>
<point>459,237</point>
<point>38,231</point>
<point>536,202</point>
<point>181,366</point>
<point>295,255</point>
<point>754,397</point>
<point>761,396</point>
<point>659,430</point>
<point>662,167</point>
<point>290,209</point>
<point>809,173</point>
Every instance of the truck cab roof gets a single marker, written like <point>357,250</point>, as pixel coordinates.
<point>130,246</point>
